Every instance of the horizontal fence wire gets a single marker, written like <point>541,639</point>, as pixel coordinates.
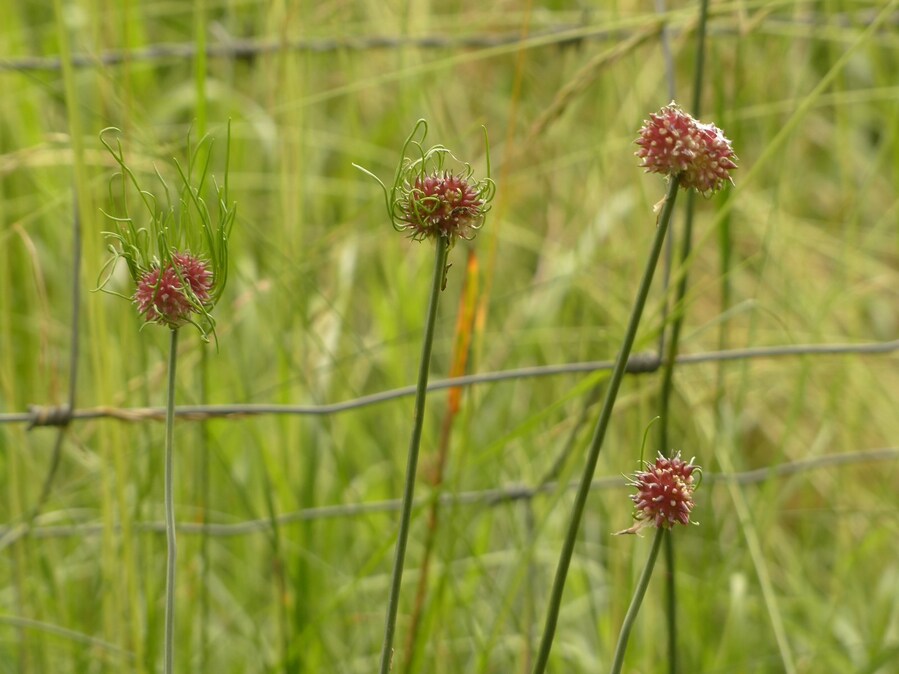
<point>34,523</point>
<point>640,364</point>
<point>562,34</point>
<point>558,34</point>
<point>484,498</point>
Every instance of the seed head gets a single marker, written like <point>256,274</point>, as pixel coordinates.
<point>674,144</point>
<point>171,294</point>
<point>664,493</point>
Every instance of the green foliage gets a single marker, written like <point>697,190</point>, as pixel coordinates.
<point>320,307</point>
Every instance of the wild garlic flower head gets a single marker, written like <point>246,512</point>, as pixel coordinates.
<point>171,294</point>
<point>434,194</point>
<point>673,143</point>
<point>175,244</point>
<point>441,204</point>
<point>664,493</point>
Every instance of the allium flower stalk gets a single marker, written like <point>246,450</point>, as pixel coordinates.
<point>673,143</point>
<point>554,607</point>
<point>429,201</point>
<point>177,255</point>
<point>664,493</point>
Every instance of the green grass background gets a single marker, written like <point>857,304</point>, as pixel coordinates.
<point>325,303</point>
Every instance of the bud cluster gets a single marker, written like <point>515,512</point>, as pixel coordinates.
<point>441,204</point>
<point>664,493</point>
<point>674,144</point>
<point>176,249</point>
<point>429,200</point>
<point>171,294</point>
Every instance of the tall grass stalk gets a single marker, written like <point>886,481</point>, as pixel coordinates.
<point>396,580</point>
<point>605,415</point>
<point>200,109</point>
<point>117,559</point>
<point>756,553</point>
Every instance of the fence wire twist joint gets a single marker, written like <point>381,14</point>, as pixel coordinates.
<point>49,415</point>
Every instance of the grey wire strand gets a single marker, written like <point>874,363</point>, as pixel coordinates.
<point>638,364</point>
<point>489,497</point>
<point>247,49</point>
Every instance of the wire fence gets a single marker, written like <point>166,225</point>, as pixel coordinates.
<point>61,416</point>
<point>561,34</point>
<point>489,498</point>
<point>40,522</point>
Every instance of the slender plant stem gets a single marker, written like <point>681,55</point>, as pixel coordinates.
<point>171,550</point>
<point>433,521</point>
<point>555,601</point>
<point>674,343</point>
<point>639,593</point>
<point>203,470</point>
<point>200,27</point>
<point>200,110</point>
<point>412,462</point>
<point>671,603</point>
<point>465,323</point>
<point>677,320</point>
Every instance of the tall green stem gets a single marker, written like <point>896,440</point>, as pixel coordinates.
<point>555,601</point>
<point>412,462</point>
<point>203,473</point>
<point>670,355</point>
<point>200,26</point>
<point>634,608</point>
<point>171,550</point>
<point>677,318</point>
